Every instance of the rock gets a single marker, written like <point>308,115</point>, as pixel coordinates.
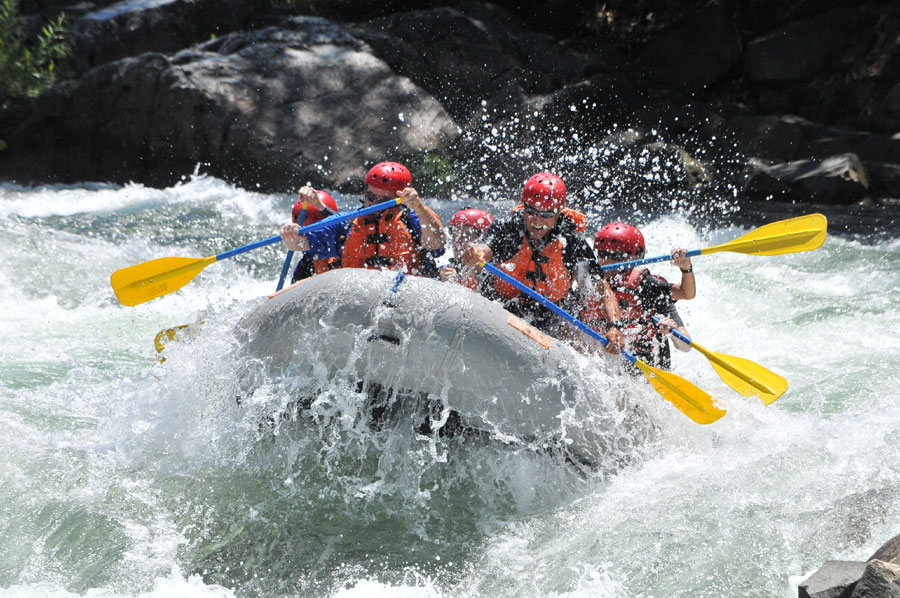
<point>700,50</point>
<point>769,138</point>
<point>833,580</point>
<point>802,49</point>
<point>835,180</point>
<point>132,27</point>
<point>880,580</point>
<point>478,53</point>
<point>270,109</point>
<point>890,550</point>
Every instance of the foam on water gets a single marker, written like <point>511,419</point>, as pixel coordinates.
<point>124,477</point>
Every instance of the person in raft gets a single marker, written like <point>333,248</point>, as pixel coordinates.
<point>406,237</point>
<point>466,227</point>
<point>640,295</point>
<point>307,266</point>
<point>539,244</point>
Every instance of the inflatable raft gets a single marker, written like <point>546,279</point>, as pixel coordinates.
<point>419,335</point>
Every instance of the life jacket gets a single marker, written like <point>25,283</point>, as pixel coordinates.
<point>466,276</point>
<point>639,328</point>
<point>541,269</point>
<point>382,242</point>
<point>326,264</point>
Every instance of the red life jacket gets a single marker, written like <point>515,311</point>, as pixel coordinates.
<point>637,318</point>
<point>385,243</point>
<point>543,270</point>
<point>467,278</point>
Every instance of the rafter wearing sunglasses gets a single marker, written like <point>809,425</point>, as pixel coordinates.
<point>546,214</point>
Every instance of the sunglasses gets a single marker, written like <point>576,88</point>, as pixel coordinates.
<point>369,196</point>
<point>533,211</point>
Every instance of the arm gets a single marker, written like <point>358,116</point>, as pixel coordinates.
<point>613,315</point>
<point>673,321</point>
<point>323,244</point>
<point>687,288</point>
<point>432,229</point>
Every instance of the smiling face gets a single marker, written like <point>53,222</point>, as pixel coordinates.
<point>539,223</point>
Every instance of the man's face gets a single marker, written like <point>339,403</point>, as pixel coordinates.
<point>539,222</point>
<point>373,196</point>
<point>605,258</point>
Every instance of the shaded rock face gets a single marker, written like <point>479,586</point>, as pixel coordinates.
<point>133,27</point>
<point>276,107</point>
<point>742,96</point>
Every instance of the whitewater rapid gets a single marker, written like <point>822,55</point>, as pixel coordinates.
<point>121,476</point>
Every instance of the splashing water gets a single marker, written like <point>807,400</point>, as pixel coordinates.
<point>125,477</point>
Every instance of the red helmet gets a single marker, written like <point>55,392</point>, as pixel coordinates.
<point>618,237</point>
<point>312,213</point>
<point>389,176</point>
<point>544,191</point>
<point>472,217</point>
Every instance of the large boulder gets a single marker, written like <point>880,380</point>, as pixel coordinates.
<point>835,180</point>
<point>695,54</point>
<point>803,49</point>
<point>132,27</point>
<point>880,580</point>
<point>270,109</point>
<point>478,53</point>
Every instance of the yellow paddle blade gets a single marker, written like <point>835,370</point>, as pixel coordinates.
<point>803,233</point>
<point>687,398</point>
<point>175,333</point>
<point>746,377</point>
<point>141,283</point>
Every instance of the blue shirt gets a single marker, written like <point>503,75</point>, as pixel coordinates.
<point>329,241</point>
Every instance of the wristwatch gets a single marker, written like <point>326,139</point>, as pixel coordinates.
<point>689,270</point>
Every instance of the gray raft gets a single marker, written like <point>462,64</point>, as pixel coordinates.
<point>420,335</point>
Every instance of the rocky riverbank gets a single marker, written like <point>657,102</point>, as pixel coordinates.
<point>878,577</point>
<point>704,108</point>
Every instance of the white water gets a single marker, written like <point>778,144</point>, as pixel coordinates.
<point>124,477</point>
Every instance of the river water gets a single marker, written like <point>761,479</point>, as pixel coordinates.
<point>121,476</point>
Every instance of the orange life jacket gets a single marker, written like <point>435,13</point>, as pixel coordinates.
<point>385,243</point>
<point>542,270</point>
<point>325,265</point>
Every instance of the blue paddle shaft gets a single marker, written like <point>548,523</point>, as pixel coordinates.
<point>554,308</point>
<point>675,332</point>
<point>312,228</point>
<point>284,269</point>
<point>646,260</point>
<point>290,254</point>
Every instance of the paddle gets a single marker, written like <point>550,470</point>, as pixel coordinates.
<point>141,283</point>
<point>290,253</point>
<point>687,398</point>
<point>794,235</point>
<point>744,376</point>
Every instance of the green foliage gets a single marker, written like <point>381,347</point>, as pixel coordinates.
<point>26,68</point>
<point>432,174</point>
<point>3,145</point>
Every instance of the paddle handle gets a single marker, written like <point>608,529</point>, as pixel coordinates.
<point>553,307</point>
<point>284,269</point>
<point>647,260</point>
<point>290,254</point>
<point>675,332</point>
<point>313,227</point>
